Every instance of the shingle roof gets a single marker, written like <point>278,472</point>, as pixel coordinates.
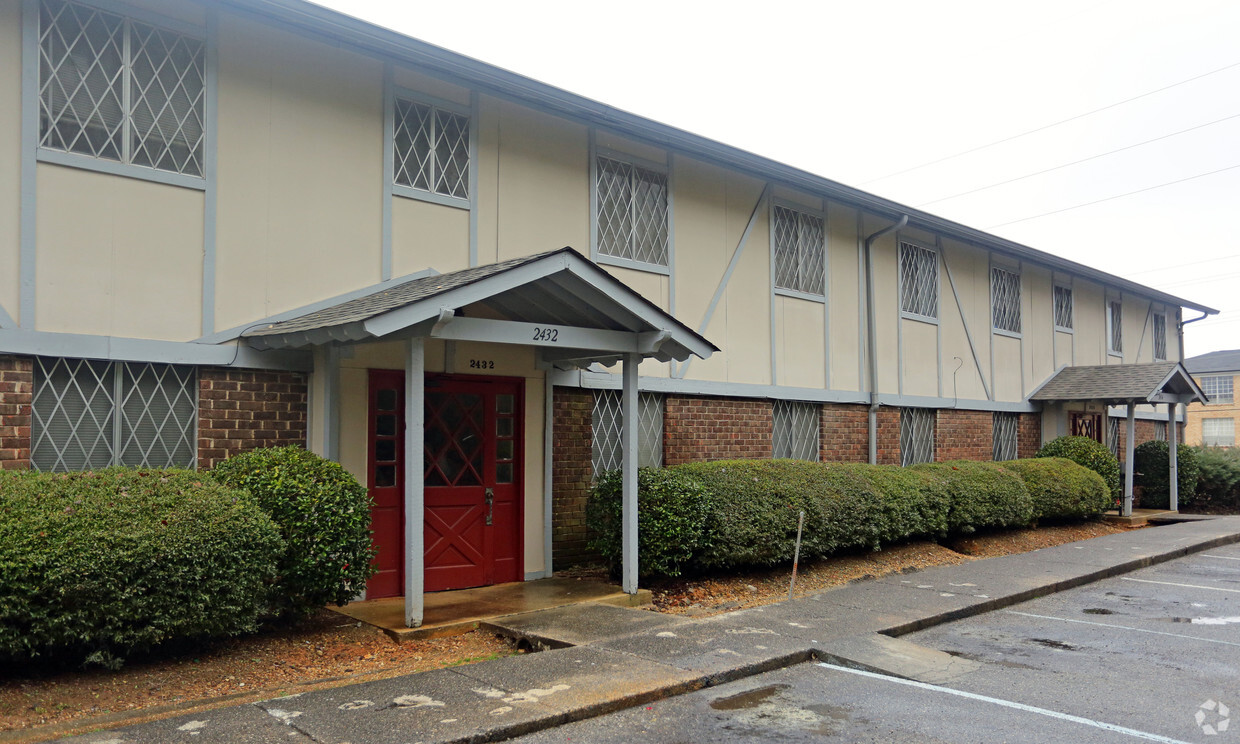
<point>1215,361</point>
<point>1110,382</point>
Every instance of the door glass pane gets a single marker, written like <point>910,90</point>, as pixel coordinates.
<point>504,449</point>
<point>385,476</point>
<point>385,426</point>
<point>385,400</point>
<point>504,403</point>
<point>503,427</point>
<point>503,472</point>
<point>385,450</point>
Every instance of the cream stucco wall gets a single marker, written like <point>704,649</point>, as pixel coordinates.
<point>428,235</point>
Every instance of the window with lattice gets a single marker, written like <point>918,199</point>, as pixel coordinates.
<point>1218,432</point>
<point>919,280</point>
<point>795,431</point>
<point>607,422</point>
<point>1004,436</point>
<point>1005,300</point>
<point>916,435</point>
<point>632,212</point>
<point>1160,337</point>
<point>800,250</point>
<point>1113,435</point>
<point>1063,308</point>
<point>1218,388</point>
<point>1160,431</point>
<point>121,90</point>
<point>1115,327</point>
<point>430,148</point>
<point>90,414</point>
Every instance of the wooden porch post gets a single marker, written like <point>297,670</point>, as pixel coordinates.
<point>415,434</point>
<point>1131,434</point>
<point>1173,460</point>
<point>628,439</point>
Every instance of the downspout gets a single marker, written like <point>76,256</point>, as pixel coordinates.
<point>871,335</point>
<point>1179,331</point>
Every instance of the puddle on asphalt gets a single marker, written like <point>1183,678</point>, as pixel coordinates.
<point>1060,645</point>
<point>1097,611</point>
<point>759,710</point>
<point>750,699</point>
<point>988,660</point>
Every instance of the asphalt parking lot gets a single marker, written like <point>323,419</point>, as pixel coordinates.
<point>1153,655</point>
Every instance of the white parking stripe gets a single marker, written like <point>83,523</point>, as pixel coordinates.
<point>1189,586</point>
<point>1224,557</point>
<point>1120,627</point>
<point>1009,704</point>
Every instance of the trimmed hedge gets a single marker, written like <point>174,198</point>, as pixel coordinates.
<point>1218,480</point>
<point>1152,472</point>
<point>670,518</point>
<point>1085,451</point>
<point>983,494</point>
<point>324,516</point>
<point>96,566</point>
<point>1061,489</point>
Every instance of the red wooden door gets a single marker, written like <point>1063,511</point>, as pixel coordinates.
<point>385,462</point>
<point>471,476</point>
<point>1086,425</point>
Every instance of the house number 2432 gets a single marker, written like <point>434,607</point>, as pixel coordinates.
<point>546,334</point>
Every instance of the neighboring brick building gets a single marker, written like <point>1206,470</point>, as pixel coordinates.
<point>1215,423</point>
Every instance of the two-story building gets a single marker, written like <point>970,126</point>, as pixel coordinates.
<point>227,224</point>
<point>1213,423</point>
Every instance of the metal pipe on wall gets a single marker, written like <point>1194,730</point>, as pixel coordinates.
<point>871,334</point>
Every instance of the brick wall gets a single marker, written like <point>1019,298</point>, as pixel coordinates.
<point>16,392</point>
<point>844,433</point>
<point>964,435</point>
<point>241,410</point>
<point>571,473</point>
<point>1143,429</point>
<point>888,436</point>
<point>696,429</point>
<point>1028,435</point>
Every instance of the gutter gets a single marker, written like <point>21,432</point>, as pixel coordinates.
<point>1179,329</point>
<point>871,333</point>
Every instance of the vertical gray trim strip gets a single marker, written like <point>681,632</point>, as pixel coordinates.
<point>1020,283</point>
<point>6,320</point>
<point>770,286</point>
<point>29,164</point>
<point>474,123</point>
<point>671,234</point>
<point>964,321</point>
<point>389,147</point>
<point>415,435</point>
<point>990,318</point>
<point>548,471</point>
<point>210,197</point>
<point>826,297</point>
<point>861,314</point>
<point>938,327</point>
<point>629,445</point>
<point>592,146</point>
<point>1072,285</point>
<point>899,321</point>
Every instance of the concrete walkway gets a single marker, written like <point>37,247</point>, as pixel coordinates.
<point>606,658</point>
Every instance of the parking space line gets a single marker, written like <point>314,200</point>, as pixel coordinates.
<point>1121,627</point>
<point>1174,583</point>
<point>1009,704</point>
<point>1224,557</point>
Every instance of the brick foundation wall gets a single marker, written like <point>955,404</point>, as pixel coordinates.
<point>16,393</point>
<point>888,436</point>
<point>696,429</point>
<point>1028,435</point>
<point>843,433</point>
<point>964,435</point>
<point>241,410</point>
<point>1143,429</point>
<point>571,473</point>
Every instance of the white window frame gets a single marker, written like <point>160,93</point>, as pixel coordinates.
<point>913,245</point>
<point>1159,336</point>
<point>124,166</point>
<point>606,430</point>
<point>799,212</point>
<point>437,105</point>
<point>1212,386</point>
<point>1115,323</point>
<point>663,169</point>
<point>1071,308</point>
<point>1218,438</point>
<point>994,280</point>
<point>796,430</point>
<point>917,435</point>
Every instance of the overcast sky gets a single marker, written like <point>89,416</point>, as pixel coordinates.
<point>886,96</point>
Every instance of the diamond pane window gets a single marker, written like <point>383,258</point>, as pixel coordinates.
<point>1005,300</point>
<point>116,89</point>
<point>919,280</point>
<point>606,425</point>
<point>1004,446</point>
<point>1063,307</point>
<point>1115,327</point>
<point>632,212</point>
<point>1113,435</point>
<point>1218,432</point>
<point>89,414</point>
<point>916,435</point>
<point>800,245</point>
<point>431,149</point>
<point>795,433</point>
<point>1160,336</point>
<point>1218,388</point>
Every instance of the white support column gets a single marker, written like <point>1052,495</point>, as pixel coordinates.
<point>628,439</point>
<point>1173,460</point>
<point>1131,430</point>
<point>331,403</point>
<point>415,434</point>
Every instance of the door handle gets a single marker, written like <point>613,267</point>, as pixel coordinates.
<point>490,503</point>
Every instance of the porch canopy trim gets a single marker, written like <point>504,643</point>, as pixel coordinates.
<point>559,300</point>
<point>1121,384</point>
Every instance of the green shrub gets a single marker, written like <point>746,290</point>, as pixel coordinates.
<point>1088,453</point>
<point>1061,489</point>
<point>1152,472</point>
<point>1218,479</point>
<point>95,566</point>
<point>323,514</point>
<point>910,502</point>
<point>670,517</point>
<point>982,495</point>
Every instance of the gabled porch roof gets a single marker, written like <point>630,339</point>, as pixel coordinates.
<point>558,300</point>
<point>1157,382</point>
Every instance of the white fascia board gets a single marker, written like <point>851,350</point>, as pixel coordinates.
<point>113,348</point>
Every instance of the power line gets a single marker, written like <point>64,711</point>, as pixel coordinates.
<point>1117,196</point>
<point>1053,124</point>
<point>1076,162</point>
<point>1182,265</point>
<point>1199,280</point>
